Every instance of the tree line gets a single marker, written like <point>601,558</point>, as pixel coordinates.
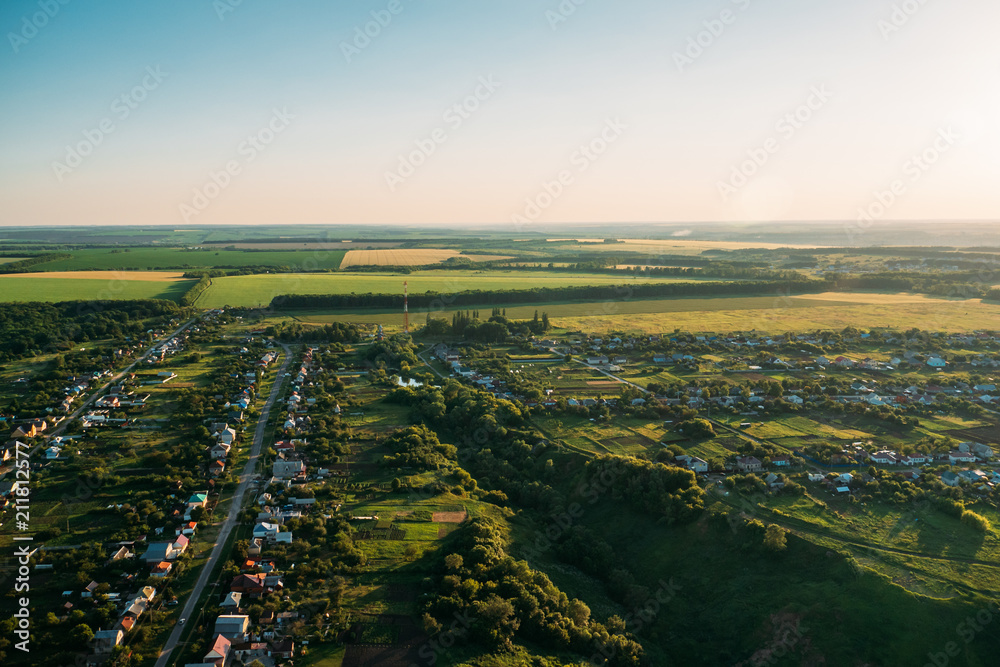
<point>26,265</point>
<point>623,292</point>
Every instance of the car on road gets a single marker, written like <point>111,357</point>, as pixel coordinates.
<point>181,622</point>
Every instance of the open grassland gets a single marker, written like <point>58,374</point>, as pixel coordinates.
<point>260,289</point>
<point>10,260</point>
<point>917,528</point>
<point>407,257</point>
<point>145,259</point>
<point>20,287</point>
<point>772,314</point>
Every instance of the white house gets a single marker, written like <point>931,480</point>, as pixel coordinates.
<point>697,465</point>
<point>961,457</point>
<point>265,530</point>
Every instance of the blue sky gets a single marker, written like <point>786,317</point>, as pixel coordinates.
<point>349,131</point>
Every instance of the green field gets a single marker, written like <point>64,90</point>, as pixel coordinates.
<point>625,436</point>
<point>11,260</point>
<point>797,426</point>
<point>19,288</point>
<point>618,310</point>
<point>143,259</point>
<point>260,289</point>
<point>722,314</point>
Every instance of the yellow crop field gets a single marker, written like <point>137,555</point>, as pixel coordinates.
<point>406,257</point>
<point>140,276</point>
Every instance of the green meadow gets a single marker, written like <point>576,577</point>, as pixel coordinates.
<point>19,288</point>
<point>261,288</point>
<point>145,258</point>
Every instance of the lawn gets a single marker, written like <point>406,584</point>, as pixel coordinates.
<point>16,287</point>
<point>260,289</point>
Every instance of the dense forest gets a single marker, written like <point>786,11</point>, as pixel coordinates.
<point>27,329</point>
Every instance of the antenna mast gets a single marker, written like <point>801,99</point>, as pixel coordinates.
<point>406,310</point>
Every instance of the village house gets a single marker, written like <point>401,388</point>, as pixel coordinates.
<point>218,654</point>
<point>160,551</point>
<point>961,457</point>
<point>232,626</point>
<point>248,584</point>
<point>884,457</point>
<point>288,469</point>
<point>105,641</point>
<point>161,569</point>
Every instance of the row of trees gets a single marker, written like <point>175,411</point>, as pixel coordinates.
<point>436,301</point>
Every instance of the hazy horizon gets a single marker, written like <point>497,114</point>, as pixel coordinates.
<point>521,115</point>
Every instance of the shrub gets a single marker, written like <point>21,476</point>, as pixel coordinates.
<point>977,521</point>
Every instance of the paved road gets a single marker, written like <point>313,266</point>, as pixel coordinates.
<point>420,356</point>
<point>613,377</point>
<point>83,406</point>
<point>93,397</point>
<point>234,511</point>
